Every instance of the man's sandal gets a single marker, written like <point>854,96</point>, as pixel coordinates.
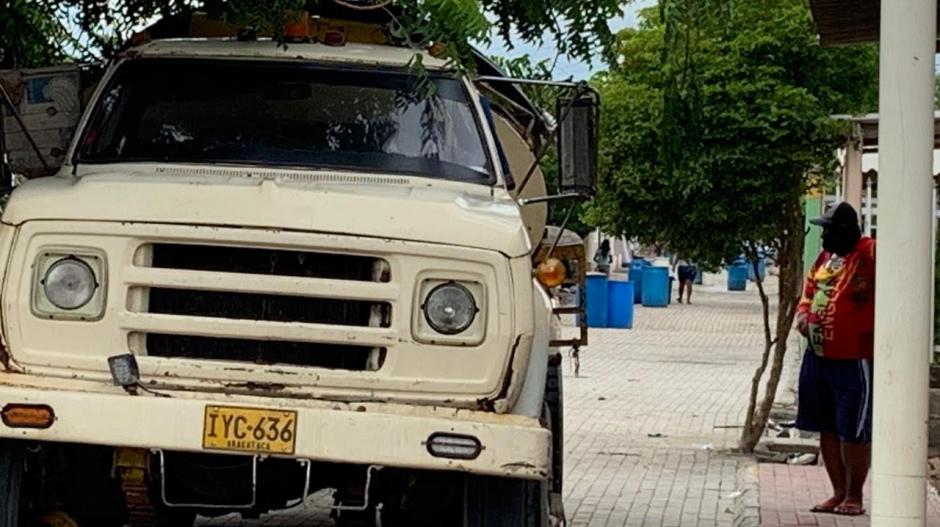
<point>849,509</point>
<point>827,507</point>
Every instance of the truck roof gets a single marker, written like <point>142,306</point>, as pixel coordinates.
<point>229,48</point>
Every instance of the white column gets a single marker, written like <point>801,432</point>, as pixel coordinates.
<point>933,265</point>
<point>869,206</point>
<point>904,276</point>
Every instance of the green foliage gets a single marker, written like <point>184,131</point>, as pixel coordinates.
<point>523,67</point>
<point>578,27</point>
<point>30,35</point>
<point>936,92</point>
<point>714,116</point>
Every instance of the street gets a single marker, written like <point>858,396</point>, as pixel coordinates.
<point>650,421</point>
<point>326,234</point>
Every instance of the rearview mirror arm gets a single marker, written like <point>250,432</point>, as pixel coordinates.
<point>557,197</point>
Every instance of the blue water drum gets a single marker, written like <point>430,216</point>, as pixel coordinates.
<point>636,276</point>
<point>737,276</point>
<point>620,304</point>
<point>595,289</point>
<point>656,287</point>
<point>699,276</point>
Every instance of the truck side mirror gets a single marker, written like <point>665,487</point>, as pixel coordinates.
<point>578,144</point>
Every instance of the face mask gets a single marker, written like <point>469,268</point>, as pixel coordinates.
<point>840,240</point>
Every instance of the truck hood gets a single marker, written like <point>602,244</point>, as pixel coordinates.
<point>394,207</point>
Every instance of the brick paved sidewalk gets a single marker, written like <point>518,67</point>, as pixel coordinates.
<point>787,493</point>
<point>650,422</point>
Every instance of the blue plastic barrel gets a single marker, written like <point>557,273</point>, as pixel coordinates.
<point>737,275</point>
<point>699,276</point>
<point>656,287</point>
<point>595,289</point>
<point>620,304</point>
<point>636,276</point>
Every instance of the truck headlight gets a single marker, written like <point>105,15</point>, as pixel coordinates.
<point>69,284</point>
<point>450,308</point>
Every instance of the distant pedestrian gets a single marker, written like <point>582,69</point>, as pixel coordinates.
<point>837,316</point>
<point>685,272</point>
<point>603,258</point>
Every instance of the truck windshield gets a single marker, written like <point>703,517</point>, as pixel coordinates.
<point>286,114</point>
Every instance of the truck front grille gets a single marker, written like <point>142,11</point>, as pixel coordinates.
<point>214,295</point>
<point>331,356</point>
<point>276,262</point>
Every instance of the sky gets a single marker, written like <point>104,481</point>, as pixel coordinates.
<point>567,68</point>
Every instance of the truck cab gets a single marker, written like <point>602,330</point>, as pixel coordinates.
<point>264,271</point>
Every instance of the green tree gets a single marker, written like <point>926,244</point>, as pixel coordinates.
<point>577,27</point>
<point>936,92</point>
<point>30,35</point>
<point>714,115</point>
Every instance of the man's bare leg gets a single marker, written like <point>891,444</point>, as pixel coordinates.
<point>857,458</point>
<point>831,449</point>
<point>681,290</point>
<point>688,292</point>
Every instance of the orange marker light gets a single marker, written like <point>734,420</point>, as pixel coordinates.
<point>551,272</point>
<point>27,415</point>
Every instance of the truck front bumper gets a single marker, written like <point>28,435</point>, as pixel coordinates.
<point>366,433</point>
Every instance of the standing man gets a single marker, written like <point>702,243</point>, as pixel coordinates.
<point>837,316</point>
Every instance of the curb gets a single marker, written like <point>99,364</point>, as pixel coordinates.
<point>746,506</point>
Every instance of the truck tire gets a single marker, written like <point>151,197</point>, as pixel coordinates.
<point>12,468</point>
<point>554,399</point>
<point>503,502</point>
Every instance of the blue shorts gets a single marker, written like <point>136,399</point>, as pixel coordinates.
<point>835,397</point>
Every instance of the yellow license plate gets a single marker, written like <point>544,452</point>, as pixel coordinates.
<point>250,430</point>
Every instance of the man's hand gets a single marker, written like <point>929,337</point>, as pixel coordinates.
<point>802,324</point>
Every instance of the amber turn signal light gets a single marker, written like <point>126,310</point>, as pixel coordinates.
<point>551,272</point>
<point>16,415</point>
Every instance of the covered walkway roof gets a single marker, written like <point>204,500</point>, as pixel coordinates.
<point>868,128</point>
<point>841,22</point>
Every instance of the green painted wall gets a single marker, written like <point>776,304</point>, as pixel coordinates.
<point>813,206</point>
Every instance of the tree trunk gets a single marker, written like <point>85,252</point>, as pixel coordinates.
<point>790,265</point>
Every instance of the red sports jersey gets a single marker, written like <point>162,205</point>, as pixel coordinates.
<point>839,301</point>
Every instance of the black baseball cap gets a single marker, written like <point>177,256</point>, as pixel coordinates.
<point>841,214</point>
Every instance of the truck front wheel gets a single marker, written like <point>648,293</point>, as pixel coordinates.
<point>13,509</point>
<point>502,502</point>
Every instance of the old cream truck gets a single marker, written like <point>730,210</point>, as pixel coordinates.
<point>267,271</point>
